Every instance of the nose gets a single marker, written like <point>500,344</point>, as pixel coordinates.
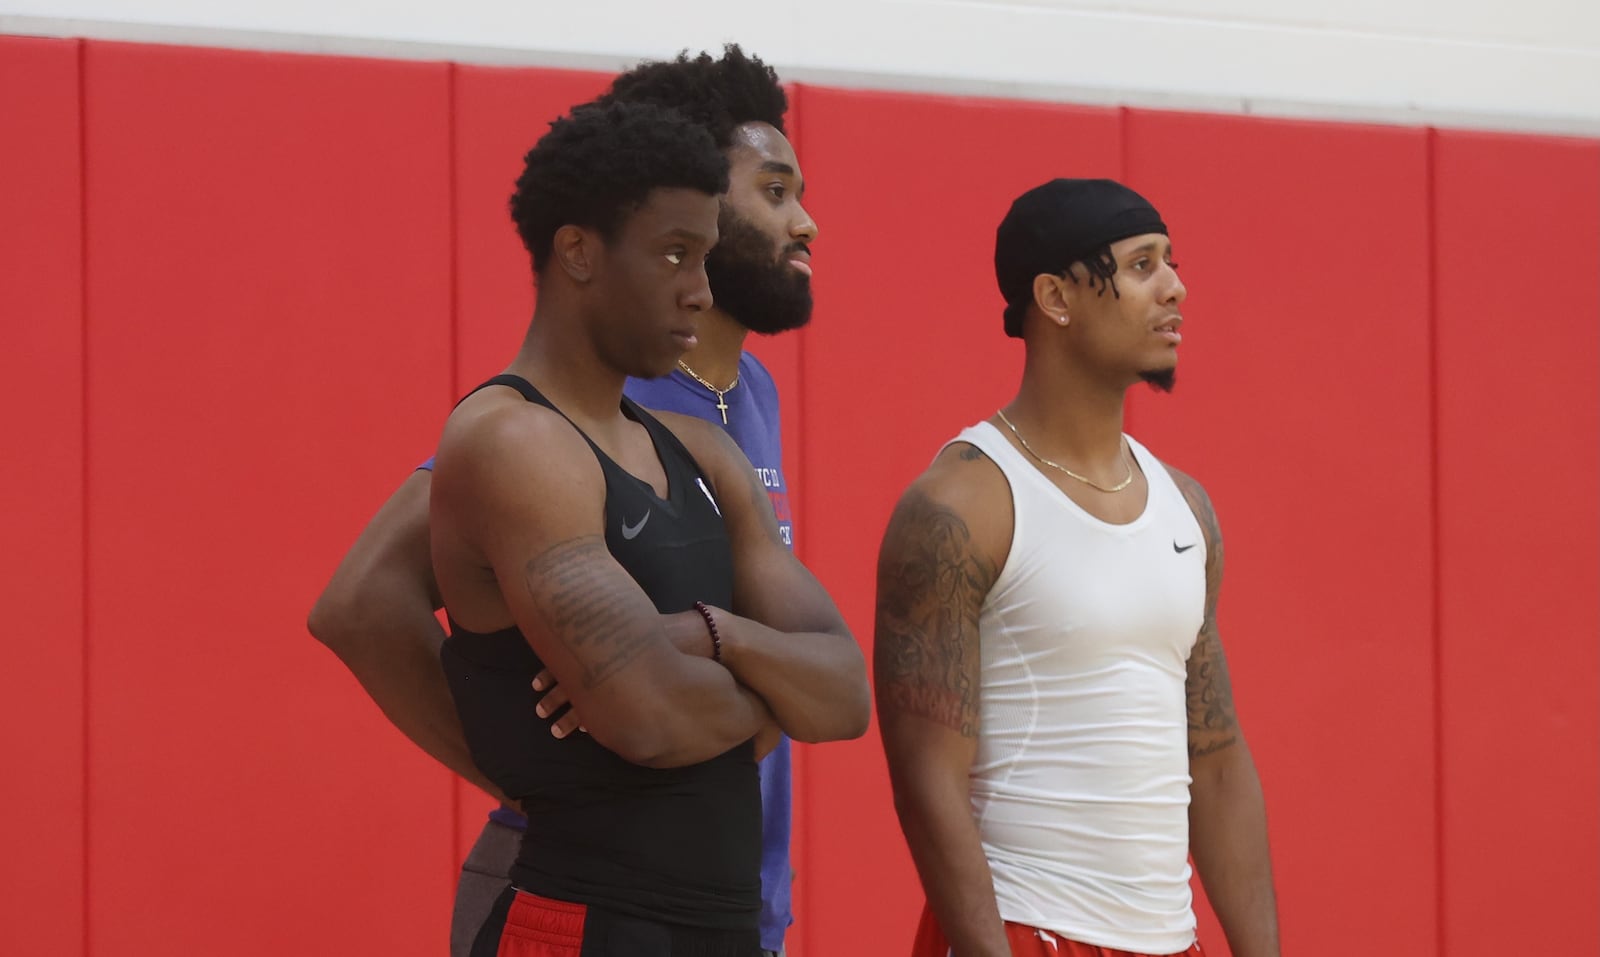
<point>1179,292</point>
<point>804,228</point>
<point>697,297</point>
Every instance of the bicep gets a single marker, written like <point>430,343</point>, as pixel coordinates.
<point>531,501</point>
<point>388,565</point>
<point>932,581</point>
<point>1213,725</point>
<point>585,615</point>
<point>1208,693</point>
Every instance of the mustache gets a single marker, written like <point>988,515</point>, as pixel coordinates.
<point>797,248</point>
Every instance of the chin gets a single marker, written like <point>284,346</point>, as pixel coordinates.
<point>1161,380</point>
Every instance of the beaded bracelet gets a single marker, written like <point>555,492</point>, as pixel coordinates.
<point>711,626</point>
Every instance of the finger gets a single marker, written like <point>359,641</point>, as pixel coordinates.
<point>543,680</point>
<point>566,724</point>
<point>552,702</point>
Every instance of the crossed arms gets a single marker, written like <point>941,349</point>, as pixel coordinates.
<point>530,552</point>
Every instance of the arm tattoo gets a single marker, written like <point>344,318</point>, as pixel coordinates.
<point>1213,725</point>
<point>581,611</point>
<point>931,586</point>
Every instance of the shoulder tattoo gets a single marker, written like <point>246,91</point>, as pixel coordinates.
<point>932,583</point>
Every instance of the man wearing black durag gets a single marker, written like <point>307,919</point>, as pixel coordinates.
<point>1051,687</point>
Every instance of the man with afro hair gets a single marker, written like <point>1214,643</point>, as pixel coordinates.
<point>376,613</point>
<point>633,560</point>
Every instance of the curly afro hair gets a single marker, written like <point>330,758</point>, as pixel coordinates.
<point>720,95</point>
<point>599,163</point>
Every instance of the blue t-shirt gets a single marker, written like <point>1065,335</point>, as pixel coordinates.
<point>753,425</point>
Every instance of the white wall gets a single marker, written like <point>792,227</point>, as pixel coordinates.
<point>1530,64</point>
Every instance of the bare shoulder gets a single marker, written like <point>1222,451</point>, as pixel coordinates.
<point>942,553</point>
<point>1200,503</point>
<point>497,445</point>
<point>966,485</point>
<point>710,444</point>
<point>959,508</point>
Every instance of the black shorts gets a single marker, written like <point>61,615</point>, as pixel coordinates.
<point>527,925</point>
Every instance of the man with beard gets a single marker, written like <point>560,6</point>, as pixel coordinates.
<point>1051,688</point>
<point>377,611</point>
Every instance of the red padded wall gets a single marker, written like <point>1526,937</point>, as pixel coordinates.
<point>1302,406</point>
<point>268,324</point>
<point>781,354</point>
<point>41,565</point>
<point>498,115</point>
<point>906,349</point>
<point>255,283</point>
<point>1518,232</point>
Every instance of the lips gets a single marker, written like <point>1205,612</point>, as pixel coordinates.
<point>1168,330</point>
<point>800,259</point>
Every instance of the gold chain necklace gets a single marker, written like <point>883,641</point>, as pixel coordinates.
<point>722,404</point>
<point>1062,468</point>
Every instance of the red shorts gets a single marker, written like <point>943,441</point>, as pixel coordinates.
<point>1025,941</point>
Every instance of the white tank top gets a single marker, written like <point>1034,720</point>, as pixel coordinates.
<point>1080,786</point>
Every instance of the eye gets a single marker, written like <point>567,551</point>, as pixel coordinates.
<point>776,191</point>
<point>1141,264</point>
<point>675,256</point>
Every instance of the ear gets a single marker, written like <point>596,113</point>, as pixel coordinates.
<point>576,250</point>
<point>1050,295</point>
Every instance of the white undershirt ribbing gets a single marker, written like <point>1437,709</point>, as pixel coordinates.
<point>1080,786</point>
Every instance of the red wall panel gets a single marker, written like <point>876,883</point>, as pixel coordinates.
<point>781,354</point>
<point>1518,354</point>
<point>906,349</point>
<point>41,524</point>
<point>498,115</point>
<point>268,306</point>
<point>1302,405</point>
<point>269,289</point>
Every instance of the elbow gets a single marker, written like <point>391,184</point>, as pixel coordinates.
<point>638,742</point>
<point>639,732</point>
<point>843,720</point>
<point>338,623</point>
<point>327,622</point>
<point>858,716</point>
<point>855,711</point>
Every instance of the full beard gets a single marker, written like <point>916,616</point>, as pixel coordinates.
<point>751,282</point>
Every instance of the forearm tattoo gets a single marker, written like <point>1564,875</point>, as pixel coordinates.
<point>1213,725</point>
<point>931,586</point>
<point>581,610</point>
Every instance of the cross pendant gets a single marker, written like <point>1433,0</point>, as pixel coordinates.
<point>722,406</point>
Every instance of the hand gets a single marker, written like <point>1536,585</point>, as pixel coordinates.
<point>553,701</point>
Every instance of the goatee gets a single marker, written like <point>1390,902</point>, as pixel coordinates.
<point>1162,380</point>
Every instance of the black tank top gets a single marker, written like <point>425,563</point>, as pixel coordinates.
<point>679,845</point>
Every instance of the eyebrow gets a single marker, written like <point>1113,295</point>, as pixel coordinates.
<point>686,234</point>
<point>773,166</point>
<point>1150,246</point>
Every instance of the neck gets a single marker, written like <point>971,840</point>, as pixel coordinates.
<point>1068,416</point>
<point>563,364</point>
<point>716,357</point>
